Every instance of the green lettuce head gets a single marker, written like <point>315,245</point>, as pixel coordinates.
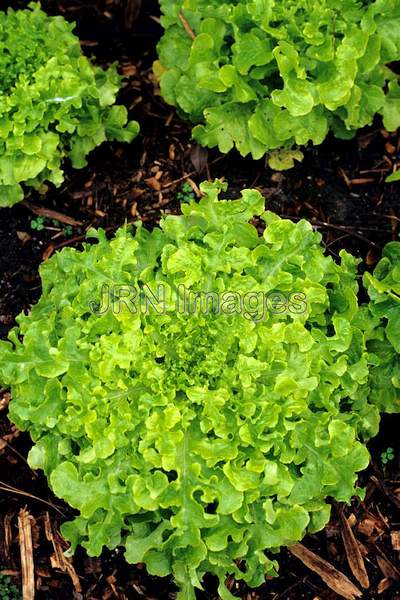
<point>53,102</point>
<point>196,392</point>
<point>267,75</point>
<point>384,290</point>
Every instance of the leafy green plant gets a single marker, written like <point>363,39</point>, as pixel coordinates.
<point>387,456</point>
<point>186,193</point>
<point>384,344</point>
<point>53,102</point>
<point>8,591</point>
<point>264,75</point>
<point>38,223</point>
<point>202,439</point>
<point>67,229</point>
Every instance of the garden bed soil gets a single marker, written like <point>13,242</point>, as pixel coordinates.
<point>339,187</point>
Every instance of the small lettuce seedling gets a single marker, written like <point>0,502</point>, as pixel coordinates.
<point>8,591</point>
<point>53,102</point>
<point>387,456</point>
<point>266,75</point>
<point>197,392</point>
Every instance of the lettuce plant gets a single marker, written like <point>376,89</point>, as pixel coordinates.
<point>201,437</point>
<point>53,102</point>
<point>384,290</point>
<point>265,75</point>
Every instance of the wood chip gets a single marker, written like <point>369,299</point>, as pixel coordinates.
<point>369,525</point>
<point>153,183</point>
<point>354,556</point>
<point>199,157</point>
<point>89,43</point>
<point>48,252</point>
<point>7,537</point>
<point>351,519</point>
<point>277,177</point>
<point>194,187</point>
<point>395,536</point>
<point>384,585</point>
<point>51,214</point>
<point>129,70</point>
<point>58,560</point>
<point>344,176</point>
<point>363,549</point>
<point>112,580</point>
<point>371,258</point>
<point>361,181</point>
<point>387,567</point>
<point>390,149</point>
<point>135,193</point>
<point>5,400</point>
<point>333,578</point>
<point>6,439</point>
<point>27,565</point>
<point>23,236</point>
<point>10,573</point>
<point>133,209</point>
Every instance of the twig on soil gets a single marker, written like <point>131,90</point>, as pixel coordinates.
<point>387,567</point>
<point>393,217</point>
<point>353,553</point>
<point>58,560</point>
<point>361,181</point>
<point>357,181</point>
<point>333,578</point>
<point>349,230</point>
<point>7,537</point>
<point>339,239</point>
<point>77,239</point>
<point>5,440</point>
<point>51,214</point>
<point>26,549</point>
<point>156,19</point>
<point>388,493</point>
<point>188,175</point>
<point>177,181</point>
<point>12,490</point>
<point>5,443</point>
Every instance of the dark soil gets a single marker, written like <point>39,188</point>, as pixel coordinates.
<point>339,187</point>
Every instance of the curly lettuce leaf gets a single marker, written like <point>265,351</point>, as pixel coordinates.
<point>262,75</point>
<point>197,437</point>
<point>54,104</point>
<point>384,291</point>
